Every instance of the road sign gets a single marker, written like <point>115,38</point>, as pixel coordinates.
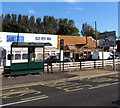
<point>108,39</point>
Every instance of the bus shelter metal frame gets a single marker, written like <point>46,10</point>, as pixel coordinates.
<point>30,66</point>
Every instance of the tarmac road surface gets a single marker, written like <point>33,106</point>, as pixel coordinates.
<point>94,91</point>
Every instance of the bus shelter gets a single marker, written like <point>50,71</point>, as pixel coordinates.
<point>32,58</point>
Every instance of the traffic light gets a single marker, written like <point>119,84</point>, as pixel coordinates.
<point>62,44</point>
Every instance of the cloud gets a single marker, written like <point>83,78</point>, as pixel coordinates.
<point>71,0</point>
<point>77,8</point>
<point>31,11</point>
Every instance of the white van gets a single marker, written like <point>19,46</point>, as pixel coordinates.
<point>99,55</point>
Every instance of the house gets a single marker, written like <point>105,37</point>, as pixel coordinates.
<point>76,46</point>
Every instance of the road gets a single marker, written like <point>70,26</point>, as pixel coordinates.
<point>98,91</point>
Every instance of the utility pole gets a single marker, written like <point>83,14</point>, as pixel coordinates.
<point>96,33</point>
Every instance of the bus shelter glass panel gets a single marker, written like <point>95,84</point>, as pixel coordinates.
<point>35,54</point>
<point>19,60</point>
<point>19,55</point>
<point>35,60</point>
<point>39,54</point>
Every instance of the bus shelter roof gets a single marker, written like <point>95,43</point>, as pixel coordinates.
<point>28,44</point>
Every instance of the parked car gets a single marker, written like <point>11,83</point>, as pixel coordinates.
<point>55,59</point>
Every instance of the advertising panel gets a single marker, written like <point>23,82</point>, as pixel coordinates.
<point>13,38</point>
<point>108,39</point>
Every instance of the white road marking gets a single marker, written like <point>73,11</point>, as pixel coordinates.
<point>23,101</point>
<point>103,85</point>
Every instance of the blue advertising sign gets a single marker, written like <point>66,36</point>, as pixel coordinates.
<point>13,38</point>
<point>37,38</point>
<point>48,38</point>
<point>42,38</point>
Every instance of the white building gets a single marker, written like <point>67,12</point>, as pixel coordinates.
<point>6,39</point>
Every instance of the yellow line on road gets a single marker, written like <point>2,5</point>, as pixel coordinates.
<point>73,89</point>
<point>68,87</point>
<point>21,85</point>
<point>67,84</point>
<point>18,92</point>
<point>102,80</point>
<point>33,97</point>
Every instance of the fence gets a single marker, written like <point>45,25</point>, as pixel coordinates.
<point>74,66</point>
<point>96,64</point>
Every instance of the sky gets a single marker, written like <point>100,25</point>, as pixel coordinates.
<point>104,13</point>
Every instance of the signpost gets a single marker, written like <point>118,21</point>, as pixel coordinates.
<point>107,40</point>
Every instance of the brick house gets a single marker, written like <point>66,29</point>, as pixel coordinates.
<point>76,46</point>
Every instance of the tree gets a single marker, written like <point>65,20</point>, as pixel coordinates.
<point>6,23</point>
<point>25,23</point>
<point>71,23</point>
<point>53,27</point>
<point>66,27</point>
<point>49,25</point>
<point>45,21</point>
<point>88,30</point>
<point>20,23</point>
<point>31,24</point>
<point>63,30</point>
<point>75,31</point>
<point>13,23</point>
<point>38,25</point>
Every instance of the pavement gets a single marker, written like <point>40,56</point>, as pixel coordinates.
<point>42,78</point>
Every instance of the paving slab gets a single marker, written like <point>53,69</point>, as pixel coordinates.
<point>53,77</point>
